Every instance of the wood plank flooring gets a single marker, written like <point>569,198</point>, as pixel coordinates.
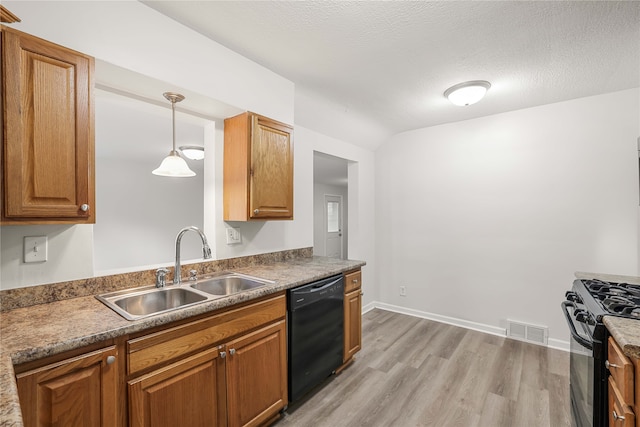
<point>416,372</point>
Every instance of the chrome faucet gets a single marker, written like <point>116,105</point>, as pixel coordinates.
<point>206,250</point>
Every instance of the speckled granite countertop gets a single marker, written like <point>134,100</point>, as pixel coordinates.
<point>625,331</point>
<point>31,333</point>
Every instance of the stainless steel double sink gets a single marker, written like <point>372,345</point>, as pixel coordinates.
<point>138,303</point>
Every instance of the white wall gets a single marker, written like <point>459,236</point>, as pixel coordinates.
<point>135,37</point>
<point>487,219</point>
<point>319,236</point>
<point>69,255</point>
<point>140,214</point>
<point>361,198</point>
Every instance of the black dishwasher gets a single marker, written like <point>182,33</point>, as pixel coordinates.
<point>316,333</point>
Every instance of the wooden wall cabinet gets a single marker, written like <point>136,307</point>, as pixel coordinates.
<point>47,132</point>
<point>258,169</point>
<point>80,391</point>
<point>352,315</point>
<point>624,385</point>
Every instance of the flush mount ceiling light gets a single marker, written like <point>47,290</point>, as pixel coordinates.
<point>173,165</point>
<point>467,93</point>
<point>193,152</point>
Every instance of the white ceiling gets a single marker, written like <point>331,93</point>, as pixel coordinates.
<point>391,61</point>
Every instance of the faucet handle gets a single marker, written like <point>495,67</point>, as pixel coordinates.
<point>193,275</point>
<point>161,277</point>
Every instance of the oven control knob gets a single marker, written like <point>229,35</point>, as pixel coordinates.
<point>572,296</point>
<point>581,316</point>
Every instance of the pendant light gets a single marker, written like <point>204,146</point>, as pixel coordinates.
<point>174,165</point>
<point>467,93</point>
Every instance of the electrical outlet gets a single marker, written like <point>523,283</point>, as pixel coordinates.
<point>35,249</point>
<point>233,236</point>
<point>403,291</point>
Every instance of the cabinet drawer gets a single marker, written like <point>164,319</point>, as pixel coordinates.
<point>167,345</point>
<point>621,370</point>
<point>352,281</point>
<point>620,412</point>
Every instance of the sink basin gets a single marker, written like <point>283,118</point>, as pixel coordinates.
<point>138,303</point>
<point>149,301</point>
<point>229,283</point>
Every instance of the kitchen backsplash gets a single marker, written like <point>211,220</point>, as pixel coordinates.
<point>11,299</point>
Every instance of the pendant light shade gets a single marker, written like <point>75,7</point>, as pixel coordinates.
<point>173,165</point>
<point>467,93</point>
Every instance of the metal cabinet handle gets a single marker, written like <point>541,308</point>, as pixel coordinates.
<point>355,280</point>
<point>256,211</point>
<point>610,365</point>
<point>223,354</point>
<point>617,417</point>
<point>232,351</point>
<point>110,360</point>
<point>84,207</point>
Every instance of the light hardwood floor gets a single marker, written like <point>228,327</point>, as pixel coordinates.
<point>416,372</point>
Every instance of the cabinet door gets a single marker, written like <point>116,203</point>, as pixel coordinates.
<point>187,393</point>
<point>257,376</point>
<point>352,323</point>
<point>81,391</point>
<point>620,412</point>
<point>271,186</point>
<point>49,131</point>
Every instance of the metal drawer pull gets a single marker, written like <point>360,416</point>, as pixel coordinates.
<point>610,365</point>
<point>256,211</point>
<point>84,207</point>
<point>223,354</point>
<point>355,280</point>
<point>110,359</point>
<point>617,417</point>
<point>232,351</point>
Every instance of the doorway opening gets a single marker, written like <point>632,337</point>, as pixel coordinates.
<point>330,206</point>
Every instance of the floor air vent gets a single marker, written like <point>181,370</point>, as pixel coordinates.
<point>525,332</point>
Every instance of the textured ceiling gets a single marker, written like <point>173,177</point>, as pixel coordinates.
<point>391,61</point>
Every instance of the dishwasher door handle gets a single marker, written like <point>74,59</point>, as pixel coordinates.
<point>316,288</point>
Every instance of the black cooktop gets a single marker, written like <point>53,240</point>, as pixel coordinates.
<point>621,299</point>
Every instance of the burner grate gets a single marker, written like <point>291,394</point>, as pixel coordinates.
<point>616,298</point>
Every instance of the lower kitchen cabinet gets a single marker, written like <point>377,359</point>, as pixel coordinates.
<point>186,393</point>
<point>257,376</point>
<point>624,387</point>
<point>226,369</point>
<point>79,391</point>
<point>352,314</point>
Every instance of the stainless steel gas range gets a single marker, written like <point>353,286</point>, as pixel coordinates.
<point>588,301</point>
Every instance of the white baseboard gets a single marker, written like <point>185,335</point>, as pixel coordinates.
<point>480,327</point>
<point>558,344</point>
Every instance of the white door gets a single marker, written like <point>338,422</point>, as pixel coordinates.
<point>333,226</point>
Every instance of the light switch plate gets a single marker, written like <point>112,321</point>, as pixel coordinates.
<point>35,249</point>
<point>233,236</point>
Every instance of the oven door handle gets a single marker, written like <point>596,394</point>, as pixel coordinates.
<point>583,342</point>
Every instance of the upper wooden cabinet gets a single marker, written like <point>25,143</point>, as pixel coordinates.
<point>48,132</point>
<point>258,168</point>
